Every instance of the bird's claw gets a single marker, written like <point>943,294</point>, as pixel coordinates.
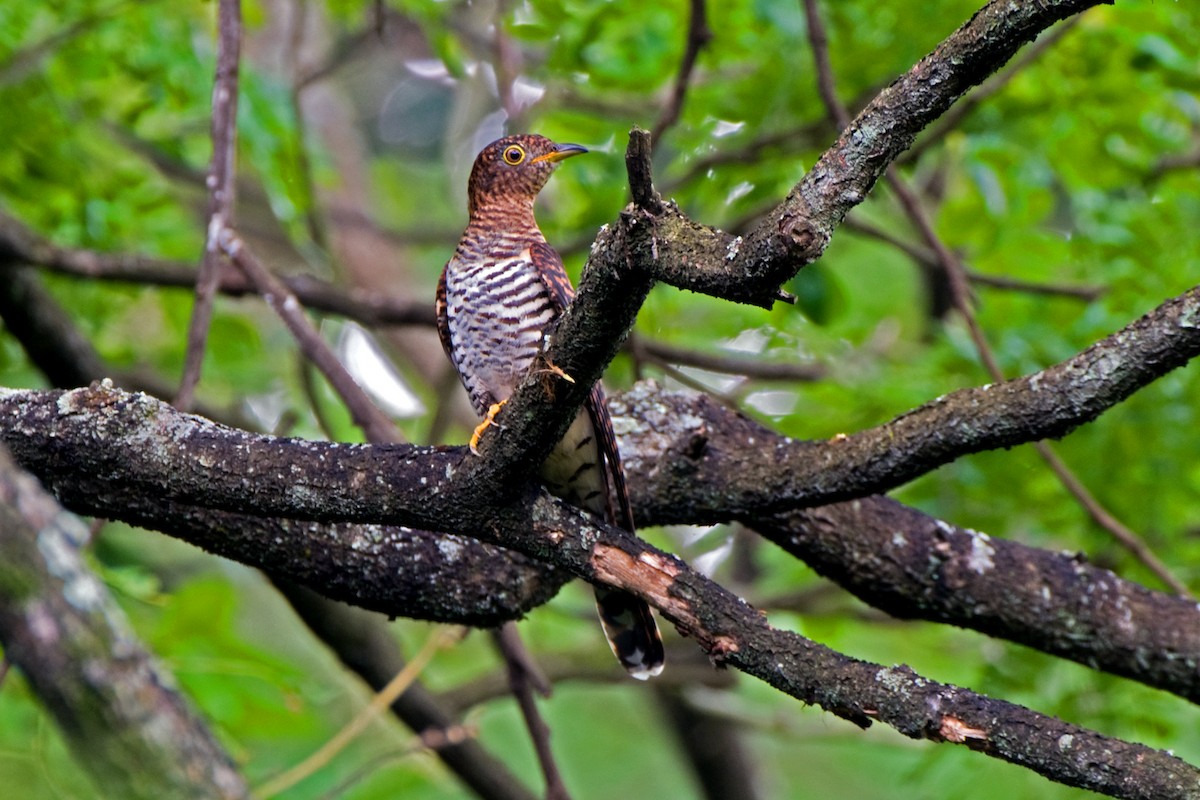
<point>488,420</point>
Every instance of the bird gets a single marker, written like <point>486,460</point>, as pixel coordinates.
<point>497,294</point>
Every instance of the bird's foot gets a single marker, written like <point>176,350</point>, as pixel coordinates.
<point>488,421</point>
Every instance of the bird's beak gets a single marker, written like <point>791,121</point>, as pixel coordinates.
<point>560,152</point>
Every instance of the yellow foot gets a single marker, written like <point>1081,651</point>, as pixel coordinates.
<point>490,419</point>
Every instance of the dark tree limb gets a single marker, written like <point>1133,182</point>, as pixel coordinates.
<point>796,232</point>
<point>728,629</point>
<point>953,118</point>
<point>914,566</point>
<point>776,474</point>
<point>911,565</point>
<point>117,709</point>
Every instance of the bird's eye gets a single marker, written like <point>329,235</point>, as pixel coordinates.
<point>514,154</point>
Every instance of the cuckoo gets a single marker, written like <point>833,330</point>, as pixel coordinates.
<point>497,294</point>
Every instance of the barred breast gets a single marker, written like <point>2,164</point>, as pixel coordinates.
<point>496,310</point>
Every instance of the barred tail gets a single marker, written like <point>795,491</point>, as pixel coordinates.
<point>631,632</point>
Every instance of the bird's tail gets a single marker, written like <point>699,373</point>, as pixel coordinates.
<point>631,632</point>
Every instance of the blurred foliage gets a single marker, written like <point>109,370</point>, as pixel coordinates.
<point>1055,179</point>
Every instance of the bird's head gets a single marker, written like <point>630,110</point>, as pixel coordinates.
<point>515,168</point>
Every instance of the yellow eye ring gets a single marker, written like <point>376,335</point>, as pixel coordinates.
<point>514,154</point>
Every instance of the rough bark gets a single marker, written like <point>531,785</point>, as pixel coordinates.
<point>123,720</point>
<point>139,452</point>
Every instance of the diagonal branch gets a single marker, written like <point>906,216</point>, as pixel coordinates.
<point>795,233</point>
<point>365,413</point>
<point>131,731</point>
<point>956,276</point>
<point>786,474</point>
<point>698,36</point>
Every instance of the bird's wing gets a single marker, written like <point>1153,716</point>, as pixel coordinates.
<point>549,266</point>
<point>443,317</point>
<point>550,269</point>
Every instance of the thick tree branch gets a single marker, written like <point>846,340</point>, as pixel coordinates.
<point>134,458</point>
<point>129,729</point>
<point>785,473</point>
<point>912,565</point>
<point>795,233</point>
<point>541,527</point>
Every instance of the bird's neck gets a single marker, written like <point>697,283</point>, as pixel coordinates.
<point>502,224</point>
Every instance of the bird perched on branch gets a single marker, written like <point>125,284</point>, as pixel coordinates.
<point>501,289</point>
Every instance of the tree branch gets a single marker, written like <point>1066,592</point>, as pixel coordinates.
<point>133,733</point>
<point>1046,404</point>
<point>543,528</point>
<point>221,186</point>
<point>191,462</point>
<point>698,35</point>
<point>914,566</point>
<point>796,232</point>
<point>20,246</point>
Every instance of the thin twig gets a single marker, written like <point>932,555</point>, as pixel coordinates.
<point>221,192</point>
<point>1128,539</point>
<point>698,35</point>
<point>376,425</point>
<point>379,703</point>
<point>826,87</point>
<point>922,255</point>
<point>1088,294</point>
<point>524,678</point>
<point>728,364</point>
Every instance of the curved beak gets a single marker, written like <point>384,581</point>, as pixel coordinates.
<point>560,152</point>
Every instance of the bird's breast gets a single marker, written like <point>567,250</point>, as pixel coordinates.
<point>496,310</point>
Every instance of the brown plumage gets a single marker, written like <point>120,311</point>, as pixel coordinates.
<point>497,294</point>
